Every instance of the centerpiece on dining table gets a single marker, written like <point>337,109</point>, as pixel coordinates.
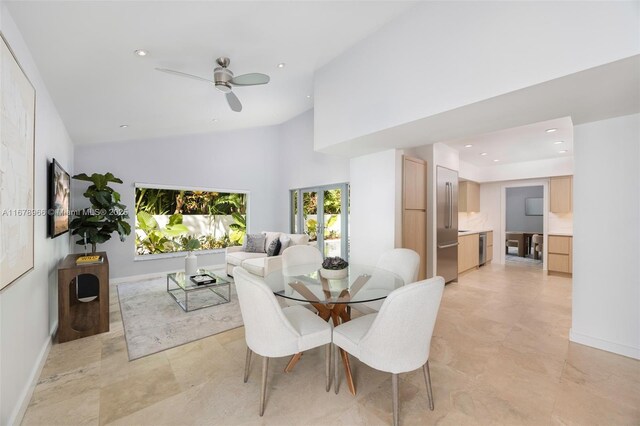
<point>334,268</point>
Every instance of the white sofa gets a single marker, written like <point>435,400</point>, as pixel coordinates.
<point>259,263</point>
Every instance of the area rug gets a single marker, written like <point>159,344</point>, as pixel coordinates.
<point>525,261</point>
<point>154,322</point>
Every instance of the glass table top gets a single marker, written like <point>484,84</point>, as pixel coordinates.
<point>306,284</point>
<point>184,281</point>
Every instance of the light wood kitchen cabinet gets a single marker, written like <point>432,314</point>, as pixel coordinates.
<point>489,257</point>
<point>414,209</point>
<point>561,194</point>
<point>468,252</point>
<point>560,259</point>
<point>468,196</point>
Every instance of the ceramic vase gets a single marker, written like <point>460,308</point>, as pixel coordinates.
<point>334,274</point>
<point>190,264</point>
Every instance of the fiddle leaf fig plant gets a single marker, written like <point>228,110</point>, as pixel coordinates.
<point>107,215</point>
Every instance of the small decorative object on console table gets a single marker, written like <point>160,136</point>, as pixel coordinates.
<point>334,268</point>
<point>191,261</point>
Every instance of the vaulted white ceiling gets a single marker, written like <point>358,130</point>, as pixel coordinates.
<point>85,53</point>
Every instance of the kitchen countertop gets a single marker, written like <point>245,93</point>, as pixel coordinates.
<point>462,234</point>
<point>561,234</point>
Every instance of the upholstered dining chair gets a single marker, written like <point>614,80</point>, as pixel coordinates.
<point>301,259</point>
<point>271,331</point>
<point>538,247</point>
<point>401,261</point>
<point>398,338</point>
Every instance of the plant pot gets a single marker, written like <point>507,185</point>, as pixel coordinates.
<point>334,274</point>
<point>190,264</point>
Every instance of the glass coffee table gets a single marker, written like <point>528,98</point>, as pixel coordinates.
<point>191,296</point>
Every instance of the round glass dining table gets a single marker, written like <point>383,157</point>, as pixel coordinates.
<point>331,297</point>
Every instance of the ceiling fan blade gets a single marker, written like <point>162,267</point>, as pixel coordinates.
<point>234,102</point>
<point>251,79</point>
<point>183,74</point>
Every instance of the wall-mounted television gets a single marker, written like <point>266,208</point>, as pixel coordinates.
<point>59,194</point>
<point>533,206</point>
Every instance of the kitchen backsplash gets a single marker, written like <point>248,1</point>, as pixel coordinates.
<point>558,223</point>
<point>473,221</point>
<point>561,223</point>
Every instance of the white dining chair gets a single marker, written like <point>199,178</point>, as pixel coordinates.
<point>398,338</point>
<point>401,261</point>
<point>272,331</point>
<point>301,259</point>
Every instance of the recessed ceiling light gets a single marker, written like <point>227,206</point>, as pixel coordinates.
<point>281,65</point>
<point>124,126</point>
<point>483,153</point>
<point>551,130</point>
<point>308,96</point>
<point>495,161</point>
<point>141,52</point>
<point>562,151</point>
<point>215,120</point>
<point>468,145</point>
<point>558,142</point>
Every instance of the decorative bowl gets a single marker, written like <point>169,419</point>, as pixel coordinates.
<point>334,274</point>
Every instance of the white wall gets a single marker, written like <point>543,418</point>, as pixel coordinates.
<point>28,307</point>
<point>516,218</point>
<point>238,160</point>
<point>300,165</point>
<point>442,55</point>
<point>606,204</point>
<point>374,207</point>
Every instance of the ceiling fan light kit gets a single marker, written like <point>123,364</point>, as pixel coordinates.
<point>224,80</point>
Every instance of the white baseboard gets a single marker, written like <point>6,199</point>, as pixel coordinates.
<point>19,411</point>
<point>158,274</point>
<point>605,345</point>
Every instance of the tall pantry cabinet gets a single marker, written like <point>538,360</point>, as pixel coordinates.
<point>414,209</point>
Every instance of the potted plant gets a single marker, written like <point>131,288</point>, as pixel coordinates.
<point>191,261</point>
<point>106,215</point>
<point>334,268</point>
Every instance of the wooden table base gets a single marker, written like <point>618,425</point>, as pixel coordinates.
<point>338,313</point>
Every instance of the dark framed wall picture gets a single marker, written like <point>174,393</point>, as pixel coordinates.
<point>59,193</point>
<point>17,145</point>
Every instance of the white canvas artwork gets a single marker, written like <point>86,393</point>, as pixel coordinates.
<point>17,138</point>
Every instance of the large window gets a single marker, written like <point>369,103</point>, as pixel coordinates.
<point>167,218</point>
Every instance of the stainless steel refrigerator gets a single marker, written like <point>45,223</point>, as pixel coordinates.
<point>447,222</point>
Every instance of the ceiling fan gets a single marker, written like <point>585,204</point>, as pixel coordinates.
<point>224,80</point>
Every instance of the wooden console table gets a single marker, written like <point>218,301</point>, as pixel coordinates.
<point>84,316</point>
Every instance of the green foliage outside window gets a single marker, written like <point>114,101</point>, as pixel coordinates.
<point>174,206</point>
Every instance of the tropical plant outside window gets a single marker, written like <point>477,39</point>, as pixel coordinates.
<point>166,219</point>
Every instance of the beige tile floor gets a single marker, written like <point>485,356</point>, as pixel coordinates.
<point>500,355</point>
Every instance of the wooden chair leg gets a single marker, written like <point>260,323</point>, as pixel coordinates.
<point>427,380</point>
<point>247,365</point>
<point>394,385</point>
<point>263,392</point>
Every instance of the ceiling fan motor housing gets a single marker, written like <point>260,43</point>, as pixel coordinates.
<point>222,76</point>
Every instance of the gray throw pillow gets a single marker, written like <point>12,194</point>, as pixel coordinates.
<point>254,243</point>
<point>274,248</point>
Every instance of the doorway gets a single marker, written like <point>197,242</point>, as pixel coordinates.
<point>322,212</point>
<point>524,226</point>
